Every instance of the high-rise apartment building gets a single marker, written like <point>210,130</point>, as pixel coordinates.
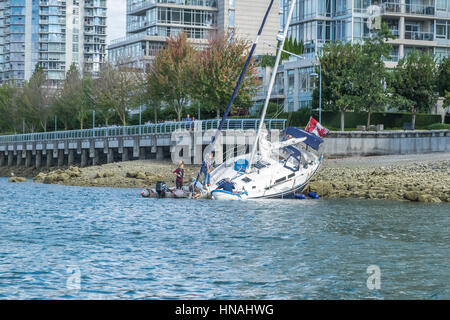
<point>53,34</point>
<point>150,22</point>
<point>416,25</point>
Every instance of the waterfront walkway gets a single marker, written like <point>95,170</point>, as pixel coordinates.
<point>112,144</point>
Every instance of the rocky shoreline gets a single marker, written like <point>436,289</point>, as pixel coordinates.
<point>422,178</point>
<point>131,174</point>
<point>414,182</point>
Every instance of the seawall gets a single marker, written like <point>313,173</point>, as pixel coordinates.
<point>356,143</point>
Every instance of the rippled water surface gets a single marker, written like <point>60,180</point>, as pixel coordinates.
<point>125,247</point>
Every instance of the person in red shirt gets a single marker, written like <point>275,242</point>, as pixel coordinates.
<point>179,172</point>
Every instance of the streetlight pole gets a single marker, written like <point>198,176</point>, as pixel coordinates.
<point>93,122</point>
<point>320,93</point>
<point>140,119</point>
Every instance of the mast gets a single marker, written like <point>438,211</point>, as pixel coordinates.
<point>281,41</point>
<point>244,71</point>
<point>238,85</point>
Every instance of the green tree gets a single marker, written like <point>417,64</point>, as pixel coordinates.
<point>102,93</point>
<point>69,103</point>
<point>292,46</point>
<point>10,120</point>
<point>267,60</point>
<point>371,72</point>
<point>443,79</point>
<point>172,73</point>
<point>340,88</point>
<point>219,68</point>
<point>34,101</point>
<point>152,95</point>
<point>116,91</point>
<point>414,83</point>
<point>87,99</point>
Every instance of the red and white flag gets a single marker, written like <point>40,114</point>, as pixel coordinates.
<point>315,127</point>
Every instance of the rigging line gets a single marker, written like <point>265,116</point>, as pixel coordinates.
<point>210,148</point>
<point>282,39</point>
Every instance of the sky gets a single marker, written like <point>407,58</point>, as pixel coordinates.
<point>116,10</point>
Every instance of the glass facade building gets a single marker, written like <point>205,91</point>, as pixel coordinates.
<point>150,22</point>
<point>53,34</point>
<point>416,25</point>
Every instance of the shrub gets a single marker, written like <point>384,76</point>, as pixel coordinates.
<point>439,126</point>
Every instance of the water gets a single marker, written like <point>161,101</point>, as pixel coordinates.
<point>125,247</point>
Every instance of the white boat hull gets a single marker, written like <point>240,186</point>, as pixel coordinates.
<point>274,180</point>
<point>225,195</point>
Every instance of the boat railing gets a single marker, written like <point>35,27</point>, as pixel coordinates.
<point>146,129</point>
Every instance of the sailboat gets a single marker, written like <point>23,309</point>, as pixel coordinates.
<point>272,169</point>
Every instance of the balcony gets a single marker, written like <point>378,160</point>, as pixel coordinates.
<point>417,35</point>
<point>395,33</point>
<point>146,4</point>
<point>407,9</point>
<point>392,58</point>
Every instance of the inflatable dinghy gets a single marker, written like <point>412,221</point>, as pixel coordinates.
<point>162,191</point>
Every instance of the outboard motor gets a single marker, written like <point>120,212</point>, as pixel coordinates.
<point>160,189</point>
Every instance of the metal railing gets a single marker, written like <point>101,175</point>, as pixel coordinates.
<point>146,129</point>
<point>413,9</point>
<point>417,35</point>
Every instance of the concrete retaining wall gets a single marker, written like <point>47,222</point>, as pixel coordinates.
<point>386,143</point>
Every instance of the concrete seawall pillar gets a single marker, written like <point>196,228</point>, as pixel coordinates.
<point>84,158</point>
<point>2,159</point>
<point>71,157</point>
<point>49,158</point>
<point>38,159</point>
<point>125,154</point>
<point>10,158</point>
<point>19,158</point>
<point>159,153</point>
<point>60,158</point>
<point>110,156</point>
<point>28,159</point>
<point>95,158</point>
<point>141,153</point>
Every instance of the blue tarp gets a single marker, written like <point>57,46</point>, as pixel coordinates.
<point>241,165</point>
<point>293,151</point>
<point>311,139</point>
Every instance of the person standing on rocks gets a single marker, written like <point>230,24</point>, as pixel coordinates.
<point>179,172</point>
<point>206,170</point>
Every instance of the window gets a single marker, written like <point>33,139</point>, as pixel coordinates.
<point>443,5</point>
<point>443,29</point>
<point>360,29</point>
<point>231,19</point>
<point>291,82</point>
<point>441,53</point>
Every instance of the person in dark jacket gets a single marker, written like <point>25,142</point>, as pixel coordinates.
<point>179,172</point>
<point>227,185</point>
